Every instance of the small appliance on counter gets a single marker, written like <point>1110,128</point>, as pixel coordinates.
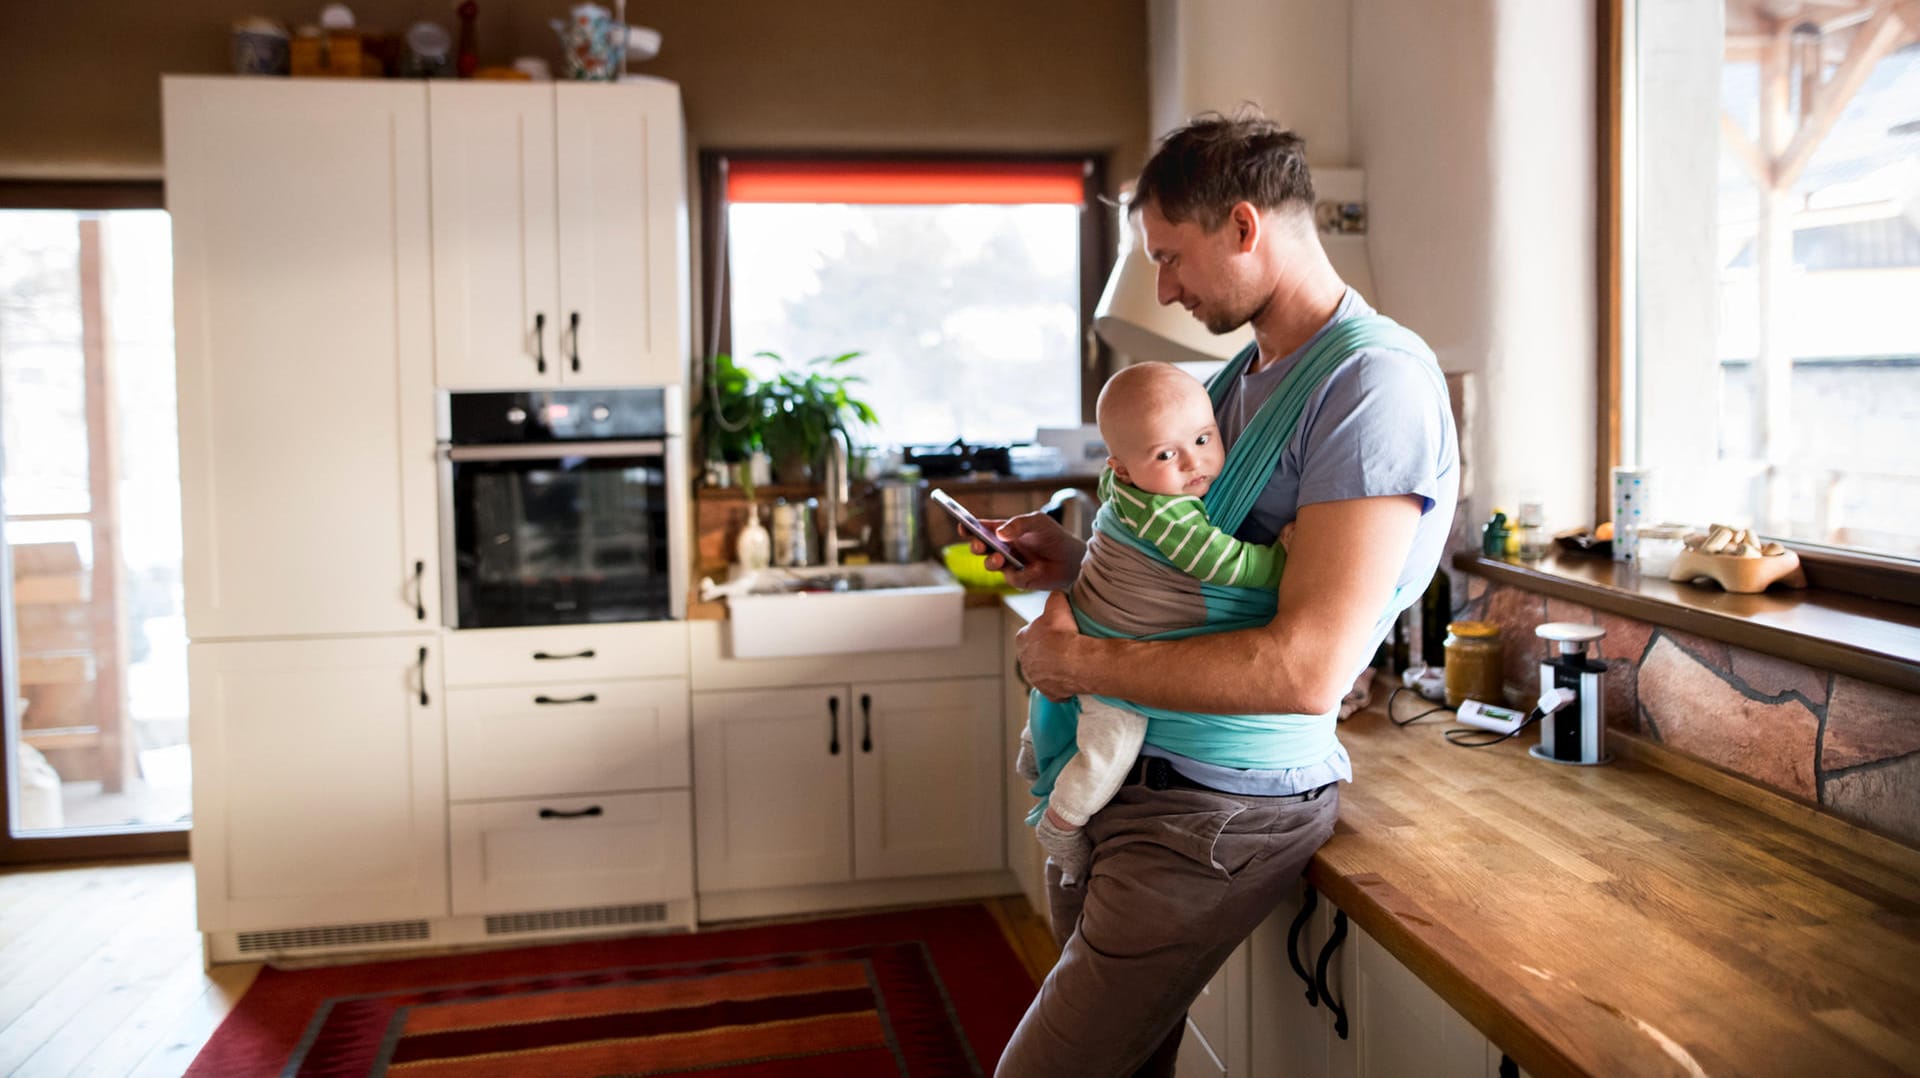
<point>1576,731</point>
<point>901,536</point>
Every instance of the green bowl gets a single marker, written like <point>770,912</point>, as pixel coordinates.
<point>971,569</point>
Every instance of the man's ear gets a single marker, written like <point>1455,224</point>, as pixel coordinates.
<point>1119,470</point>
<point>1245,224</point>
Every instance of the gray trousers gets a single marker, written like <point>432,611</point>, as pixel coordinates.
<point>1179,878</point>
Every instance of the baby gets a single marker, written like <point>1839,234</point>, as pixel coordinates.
<point>1165,452</point>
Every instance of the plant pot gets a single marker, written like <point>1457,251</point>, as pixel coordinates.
<point>793,469</point>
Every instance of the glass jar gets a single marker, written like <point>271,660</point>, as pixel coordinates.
<point>1474,663</point>
<point>1657,546</point>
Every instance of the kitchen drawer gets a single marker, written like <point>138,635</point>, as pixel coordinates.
<point>566,653</point>
<point>566,738</point>
<point>570,852</point>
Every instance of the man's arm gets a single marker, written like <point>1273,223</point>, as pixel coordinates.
<point>1341,568</point>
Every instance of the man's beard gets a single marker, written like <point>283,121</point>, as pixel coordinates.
<point>1218,324</point>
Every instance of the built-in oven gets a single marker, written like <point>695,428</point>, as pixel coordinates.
<point>560,507</point>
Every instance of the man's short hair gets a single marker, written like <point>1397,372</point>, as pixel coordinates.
<point>1206,166</point>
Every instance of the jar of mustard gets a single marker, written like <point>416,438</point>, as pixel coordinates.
<point>1473,663</point>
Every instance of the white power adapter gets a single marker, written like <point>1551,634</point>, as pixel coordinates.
<point>1501,720</point>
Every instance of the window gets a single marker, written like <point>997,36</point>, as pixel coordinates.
<point>960,283</point>
<point>1771,181</point>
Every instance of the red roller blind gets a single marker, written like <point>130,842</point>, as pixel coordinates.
<point>905,182</point>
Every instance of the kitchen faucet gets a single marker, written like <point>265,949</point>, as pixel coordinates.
<point>831,544</point>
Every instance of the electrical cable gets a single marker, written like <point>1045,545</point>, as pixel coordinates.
<point>1414,718</point>
<point>1480,739</point>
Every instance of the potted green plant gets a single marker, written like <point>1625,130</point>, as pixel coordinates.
<point>731,413</point>
<point>801,406</point>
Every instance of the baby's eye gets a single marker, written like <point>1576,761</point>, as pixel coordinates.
<point>1164,454</point>
<point>1203,439</point>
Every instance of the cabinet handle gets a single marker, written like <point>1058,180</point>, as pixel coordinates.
<point>833,725</point>
<point>540,341</point>
<point>585,699</point>
<point>558,814</point>
<point>544,657</point>
<point>1293,946</point>
<point>573,340</point>
<point>423,676</point>
<point>1320,972</point>
<point>866,723</point>
<point>419,591</point>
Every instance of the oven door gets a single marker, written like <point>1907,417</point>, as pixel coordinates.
<point>559,534</point>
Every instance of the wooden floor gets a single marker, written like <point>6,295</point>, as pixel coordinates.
<point>100,969</point>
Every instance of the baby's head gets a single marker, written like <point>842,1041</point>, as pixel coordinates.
<point>1158,424</point>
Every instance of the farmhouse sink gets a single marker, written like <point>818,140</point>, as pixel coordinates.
<point>824,611</point>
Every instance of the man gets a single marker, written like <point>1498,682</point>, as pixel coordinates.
<point>1190,856</point>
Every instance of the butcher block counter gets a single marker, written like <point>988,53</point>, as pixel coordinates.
<point>1645,917</point>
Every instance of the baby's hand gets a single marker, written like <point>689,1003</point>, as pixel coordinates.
<point>1286,537</point>
<point>1069,848</point>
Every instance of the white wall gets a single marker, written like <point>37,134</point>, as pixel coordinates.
<point>1474,122</point>
<point>1287,56</point>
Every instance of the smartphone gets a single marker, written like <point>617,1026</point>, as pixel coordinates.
<point>972,526</point>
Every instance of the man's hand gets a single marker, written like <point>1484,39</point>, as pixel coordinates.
<point>1052,556</point>
<point>1046,650</point>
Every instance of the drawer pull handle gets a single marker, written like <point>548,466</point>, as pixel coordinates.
<point>1293,946</point>
<point>573,339</point>
<point>586,698</point>
<point>423,676</point>
<point>833,725</point>
<point>866,726</point>
<point>419,591</point>
<point>558,814</point>
<point>540,341</point>
<point>545,657</point>
<point>1320,971</point>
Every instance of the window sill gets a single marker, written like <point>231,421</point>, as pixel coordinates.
<point>1870,639</point>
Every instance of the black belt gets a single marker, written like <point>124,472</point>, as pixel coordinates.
<point>1157,773</point>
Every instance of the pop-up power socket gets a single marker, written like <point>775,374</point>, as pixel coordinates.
<point>1501,720</point>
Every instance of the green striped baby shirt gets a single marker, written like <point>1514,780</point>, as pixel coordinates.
<point>1177,525</point>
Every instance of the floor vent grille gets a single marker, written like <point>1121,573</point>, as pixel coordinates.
<point>293,939</point>
<point>501,924</point>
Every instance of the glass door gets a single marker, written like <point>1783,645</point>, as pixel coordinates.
<point>94,642</point>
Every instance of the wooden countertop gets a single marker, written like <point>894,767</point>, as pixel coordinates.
<point>1624,920</point>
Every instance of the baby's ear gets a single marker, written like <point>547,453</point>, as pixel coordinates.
<point>1119,470</point>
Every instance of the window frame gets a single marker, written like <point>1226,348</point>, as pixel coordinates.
<point>81,195</point>
<point>1098,251</point>
<point>1855,572</point>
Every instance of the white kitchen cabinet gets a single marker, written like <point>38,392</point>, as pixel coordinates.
<point>559,235</point>
<point>1024,855</point>
<point>1395,1025</point>
<point>304,340</point>
<point>926,777</point>
<point>566,738</point>
<point>847,782</point>
<point>772,796</point>
<point>548,853</point>
<point>319,788</point>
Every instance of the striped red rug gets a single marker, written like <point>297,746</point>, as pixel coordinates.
<point>921,992</point>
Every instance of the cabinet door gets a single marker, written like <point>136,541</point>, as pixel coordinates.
<point>496,284</point>
<point>1290,1037</point>
<point>771,789</point>
<point>560,853</point>
<point>1404,1027</point>
<point>585,737</point>
<point>926,777</point>
<point>318,782</point>
<point>1024,855</point>
<point>302,291</point>
<point>623,228</point>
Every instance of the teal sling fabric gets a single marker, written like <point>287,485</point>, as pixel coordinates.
<point>1262,742</point>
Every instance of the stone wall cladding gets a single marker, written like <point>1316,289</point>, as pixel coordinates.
<point>1851,746</point>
